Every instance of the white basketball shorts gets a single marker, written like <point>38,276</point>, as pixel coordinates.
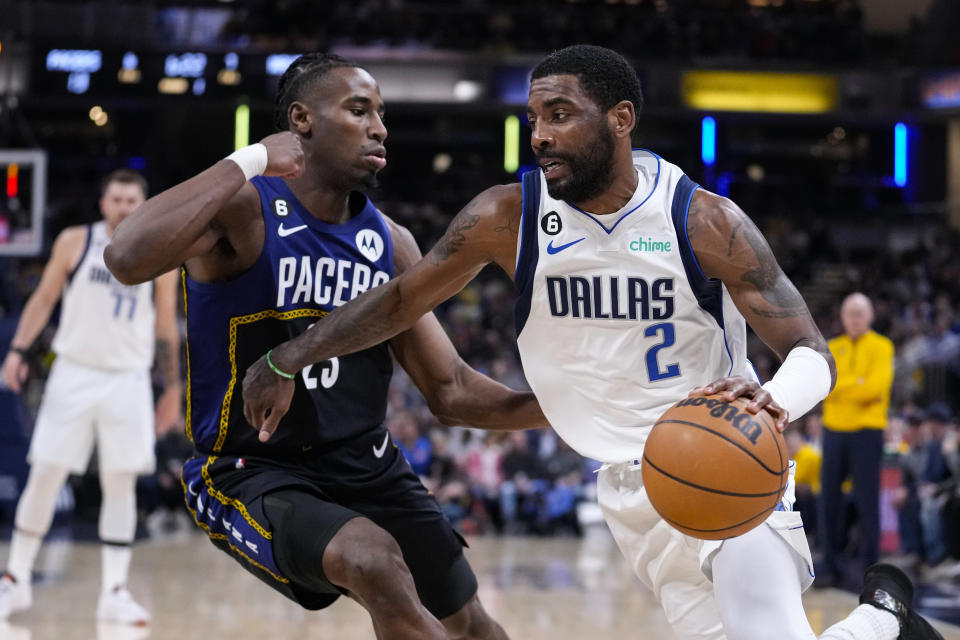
<point>675,566</point>
<point>83,405</point>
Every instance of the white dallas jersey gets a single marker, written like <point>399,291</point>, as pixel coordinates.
<point>103,323</point>
<point>615,319</point>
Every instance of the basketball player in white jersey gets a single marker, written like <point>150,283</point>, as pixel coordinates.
<point>635,289</point>
<point>98,391</point>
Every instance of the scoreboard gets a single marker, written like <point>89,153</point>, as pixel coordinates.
<point>133,73</point>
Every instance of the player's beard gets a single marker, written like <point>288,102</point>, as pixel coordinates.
<point>591,170</point>
<point>370,181</point>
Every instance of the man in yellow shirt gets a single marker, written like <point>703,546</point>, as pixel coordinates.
<point>854,417</point>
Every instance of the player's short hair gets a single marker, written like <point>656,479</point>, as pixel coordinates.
<point>605,75</point>
<point>301,74</point>
<point>124,176</point>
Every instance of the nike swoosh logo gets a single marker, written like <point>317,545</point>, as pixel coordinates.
<point>552,249</point>
<point>379,451</point>
<point>283,233</point>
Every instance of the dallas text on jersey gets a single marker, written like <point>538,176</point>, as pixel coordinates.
<point>610,297</point>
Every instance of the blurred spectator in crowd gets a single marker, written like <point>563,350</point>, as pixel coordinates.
<point>805,449</point>
<point>415,447</point>
<point>937,481</point>
<point>448,482</point>
<point>927,501</point>
<point>483,463</point>
<point>854,416</point>
<point>524,484</point>
<point>905,498</point>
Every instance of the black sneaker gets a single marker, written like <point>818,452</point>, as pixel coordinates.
<point>887,587</point>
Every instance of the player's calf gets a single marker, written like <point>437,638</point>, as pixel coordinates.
<point>473,623</point>
<point>366,561</point>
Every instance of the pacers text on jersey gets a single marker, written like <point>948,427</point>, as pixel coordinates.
<point>325,282</point>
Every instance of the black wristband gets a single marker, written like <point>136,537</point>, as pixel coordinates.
<point>23,352</point>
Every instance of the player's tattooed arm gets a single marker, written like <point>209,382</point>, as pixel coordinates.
<point>470,243</point>
<point>456,393</point>
<point>730,248</point>
<point>490,223</point>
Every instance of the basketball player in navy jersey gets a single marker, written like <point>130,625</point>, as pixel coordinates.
<point>271,240</point>
<point>635,287</point>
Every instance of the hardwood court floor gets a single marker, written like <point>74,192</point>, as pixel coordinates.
<point>539,589</point>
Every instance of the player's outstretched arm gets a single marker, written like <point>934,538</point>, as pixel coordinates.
<point>481,233</point>
<point>455,392</point>
<point>729,247</point>
<point>189,219</point>
<point>63,258</point>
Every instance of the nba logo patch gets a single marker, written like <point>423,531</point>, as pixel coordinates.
<point>370,244</point>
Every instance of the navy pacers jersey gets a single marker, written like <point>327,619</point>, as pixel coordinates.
<point>307,268</point>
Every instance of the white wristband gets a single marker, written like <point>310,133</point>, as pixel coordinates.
<point>252,159</point>
<point>801,382</point>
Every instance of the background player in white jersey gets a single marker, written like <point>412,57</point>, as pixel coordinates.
<point>98,391</point>
<point>634,287</point>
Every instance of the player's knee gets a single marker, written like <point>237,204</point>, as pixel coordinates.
<point>764,628</point>
<point>362,557</point>
<point>471,621</point>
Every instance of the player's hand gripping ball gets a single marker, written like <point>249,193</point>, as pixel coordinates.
<point>713,470</point>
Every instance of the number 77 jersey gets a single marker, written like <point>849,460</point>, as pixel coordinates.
<point>615,319</point>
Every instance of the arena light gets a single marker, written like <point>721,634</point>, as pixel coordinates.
<point>129,73</point>
<point>13,180</point>
<point>228,77</point>
<point>759,91</point>
<point>708,140</point>
<point>241,126</point>
<point>74,60</point>
<point>129,76</point>
<point>511,144</point>
<point>78,82</point>
<point>901,147</point>
<point>173,85</point>
<point>277,63</point>
<point>185,65</point>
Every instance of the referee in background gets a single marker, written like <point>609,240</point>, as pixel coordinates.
<point>854,417</point>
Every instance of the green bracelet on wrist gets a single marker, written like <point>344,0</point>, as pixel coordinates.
<point>282,374</point>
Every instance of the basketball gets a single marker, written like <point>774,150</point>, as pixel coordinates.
<point>713,470</point>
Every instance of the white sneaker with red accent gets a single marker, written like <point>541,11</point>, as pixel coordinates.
<point>14,596</point>
<point>118,606</point>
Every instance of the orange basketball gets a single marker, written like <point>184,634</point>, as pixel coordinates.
<point>713,470</point>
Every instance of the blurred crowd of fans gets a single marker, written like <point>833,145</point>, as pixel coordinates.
<point>829,30</point>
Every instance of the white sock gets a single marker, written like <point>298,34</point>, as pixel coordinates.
<point>33,517</point>
<point>866,622</point>
<point>116,565</point>
<point>118,524</point>
<point>23,553</point>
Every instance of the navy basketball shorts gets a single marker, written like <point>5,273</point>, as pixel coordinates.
<point>276,518</point>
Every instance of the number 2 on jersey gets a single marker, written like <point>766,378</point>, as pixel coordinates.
<point>666,331</point>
